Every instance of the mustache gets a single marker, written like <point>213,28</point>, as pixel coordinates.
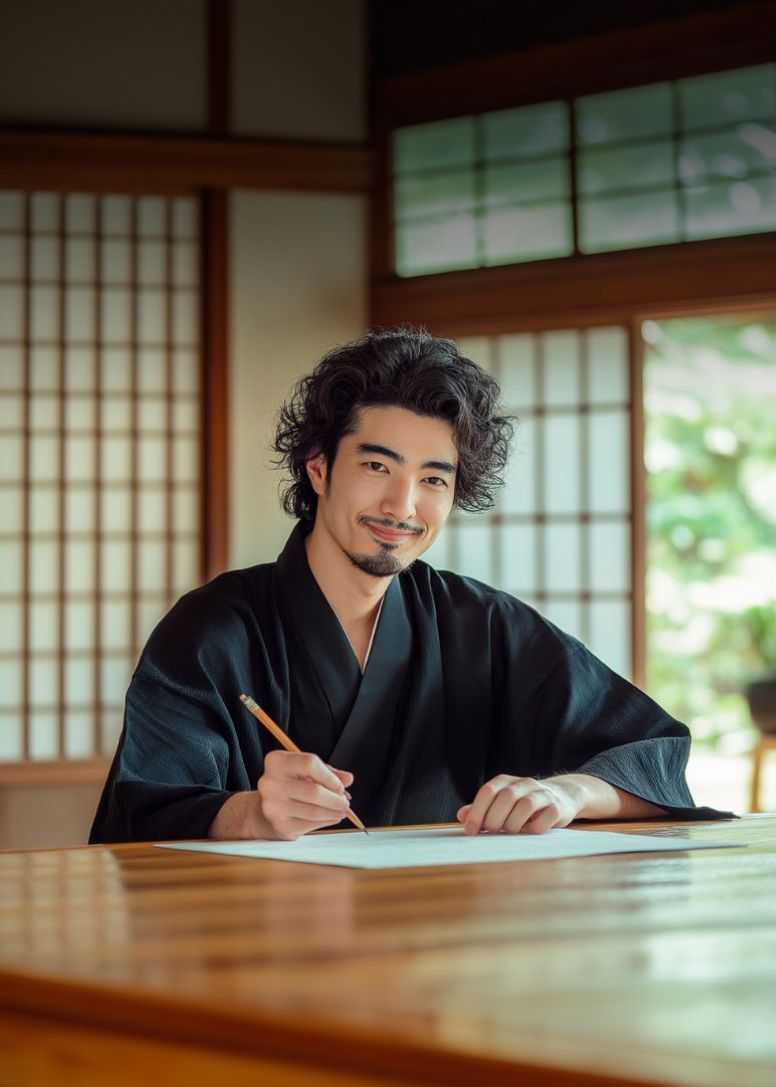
<point>386,522</point>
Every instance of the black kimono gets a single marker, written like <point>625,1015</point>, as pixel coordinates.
<point>462,683</point>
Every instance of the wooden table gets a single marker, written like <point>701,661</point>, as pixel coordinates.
<point>132,965</point>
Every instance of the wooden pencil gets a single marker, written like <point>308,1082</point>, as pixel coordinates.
<point>286,742</point>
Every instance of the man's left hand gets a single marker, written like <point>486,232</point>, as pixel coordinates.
<point>514,805</point>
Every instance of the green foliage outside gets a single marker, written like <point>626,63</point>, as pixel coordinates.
<point>710,451</point>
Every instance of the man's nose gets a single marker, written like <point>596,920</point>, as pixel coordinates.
<point>399,500</point>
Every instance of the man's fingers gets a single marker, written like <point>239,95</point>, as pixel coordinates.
<point>312,813</point>
<point>307,792</point>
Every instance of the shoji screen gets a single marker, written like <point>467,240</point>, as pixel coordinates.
<point>560,534</point>
<point>99,456</point>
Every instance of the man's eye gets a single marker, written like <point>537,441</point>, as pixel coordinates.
<point>375,465</point>
<point>436,481</point>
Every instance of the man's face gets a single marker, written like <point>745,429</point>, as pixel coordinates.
<point>390,489</point>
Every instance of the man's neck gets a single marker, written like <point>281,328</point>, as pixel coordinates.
<point>353,595</point>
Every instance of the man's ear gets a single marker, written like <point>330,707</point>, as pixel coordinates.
<point>317,472</point>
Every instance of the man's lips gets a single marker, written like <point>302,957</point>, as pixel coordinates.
<point>389,535</point>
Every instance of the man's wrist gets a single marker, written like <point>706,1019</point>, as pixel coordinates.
<point>240,817</point>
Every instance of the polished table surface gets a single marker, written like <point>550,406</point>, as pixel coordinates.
<point>129,964</point>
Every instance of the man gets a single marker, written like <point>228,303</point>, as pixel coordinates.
<point>415,696</point>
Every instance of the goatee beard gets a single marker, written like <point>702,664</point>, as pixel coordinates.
<point>383,564</point>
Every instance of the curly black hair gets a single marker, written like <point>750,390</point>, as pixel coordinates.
<point>402,367</point>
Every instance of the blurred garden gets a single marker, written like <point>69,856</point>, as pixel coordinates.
<point>710,453</point>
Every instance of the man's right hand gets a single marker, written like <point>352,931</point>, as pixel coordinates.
<point>297,793</point>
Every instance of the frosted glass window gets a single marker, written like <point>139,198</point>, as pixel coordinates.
<point>151,415</point>
<point>185,414</point>
<point>150,611</point>
<point>519,492</point>
<point>480,349</point>
<point>115,619</point>
<point>437,554</point>
<point>185,509</point>
<point>44,412</point>
<point>44,313</point>
<point>151,510</point>
<point>80,258</point>
<point>151,570</point>
<point>116,413</point>
<point>11,628</point>
<point>44,211</point>
<point>80,459</point>
<point>741,207</point>
<point>44,619</point>
<point>10,457</point>
<point>44,567</point>
<point>646,166</point>
<point>151,263</point>
<point>526,233</point>
<point>475,551</point>
<point>10,682</point>
<point>561,464</point>
<point>11,210</point>
<point>43,502</point>
<point>609,462</point>
<point>184,218</point>
<point>11,366</point>
<point>185,459</point>
<point>79,566</point>
<point>11,312</point>
<point>751,148</point>
<point>116,315</point>
<point>11,257</point>
<point>526,132</point>
<point>151,371</point>
<point>11,412</point>
<point>608,380</point>
<point>116,257</point>
<point>80,369</point>
<point>116,370</point>
<point>610,635</point>
<point>79,680</point>
<point>110,730</point>
<point>79,213</point>
<point>562,557</point>
<point>440,143</point>
<point>115,459</point>
<point>560,369</point>
<point>151,216</point>
<point>79,625</point>
<point>79,313</point>
<point>185,565</point>
<point>436,246</point>
<point>609,557</point>
<point>185,264</point>
<point>80,413</point>
<point>628,222</point>
<point>151,316</point>
<point>625,115</point>
<point>116,215</point>
<point>44,369</point>
<point>13,508</point>
<point>185,372</point>
<point>43,735</point>
<point>742,94</point>
<point>79,510</point>
<point>78,735</point>
<point>518,558</point>
<point>11,743</point>
<point>152,459</point>
<point>10,565</point>
<point>516,373</point>
<point>44,259</point>
<point>114,565</point>
<point>524,182</point>
<point>116,509</point>
<point>566,614</point>
<point>44,458</point>
<point>115,674</point>
<point>434,194</point>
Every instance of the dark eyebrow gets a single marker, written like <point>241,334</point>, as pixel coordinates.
<point>384,451</point>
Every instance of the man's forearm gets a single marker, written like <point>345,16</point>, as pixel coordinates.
<point>598,799</point>
<point>240,817</point>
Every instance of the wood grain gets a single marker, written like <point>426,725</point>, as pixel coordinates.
<point>632,969</point>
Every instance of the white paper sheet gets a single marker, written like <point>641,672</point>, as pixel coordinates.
<point>446,845</point>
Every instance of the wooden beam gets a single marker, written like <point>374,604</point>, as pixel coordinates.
<point>579,291</point>
<point>93,162</point>
<point>731,37</point>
